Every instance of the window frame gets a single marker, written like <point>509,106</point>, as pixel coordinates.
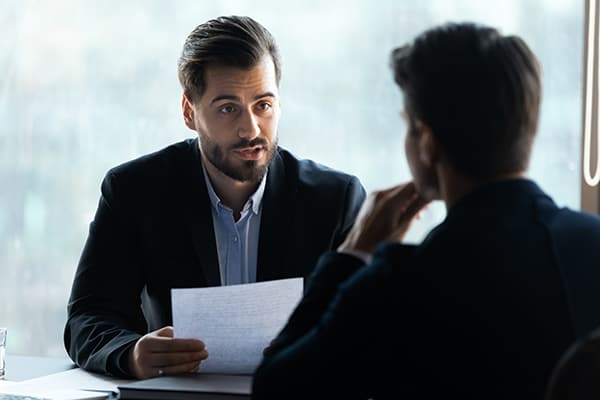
<point>590,191</point>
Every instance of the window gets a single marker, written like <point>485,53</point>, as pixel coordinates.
<point>88,85</point>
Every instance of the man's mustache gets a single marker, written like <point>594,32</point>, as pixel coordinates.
<point>244,144</point>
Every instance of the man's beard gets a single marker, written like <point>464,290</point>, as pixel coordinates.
<point>250,171</point>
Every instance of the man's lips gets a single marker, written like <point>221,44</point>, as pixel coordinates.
<point>250,153</point>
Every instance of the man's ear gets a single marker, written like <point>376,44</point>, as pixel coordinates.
<point>187,108</point>
<point>429,147</point>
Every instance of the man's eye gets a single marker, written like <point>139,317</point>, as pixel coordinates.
<point>264,106</point>
<point>227,109</point>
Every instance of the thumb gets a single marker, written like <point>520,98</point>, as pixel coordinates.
<point>167,331</point>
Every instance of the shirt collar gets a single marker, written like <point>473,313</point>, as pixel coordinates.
<point>254,201</point>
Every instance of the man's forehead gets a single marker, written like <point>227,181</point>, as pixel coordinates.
<point>230,81</point>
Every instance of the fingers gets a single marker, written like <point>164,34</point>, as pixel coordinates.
<point>404,201</point>
<point>407,216</point>
<point>179,369</point>
<point>163,340</point>
<point>404,189</point>
<point>386,215</point>
<point>418,204</point>
<point>400,194</point>
<point>176,363</point>
<point>165,359</point>
<point>159,350</point>
<point>395,202</point>
<point>161,344</point>
<point>409,208</point>
<point>148,364</point>
<point>408,186</point>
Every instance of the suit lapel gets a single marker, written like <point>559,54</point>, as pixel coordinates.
<point>275,221</point>
<point>199,218</point>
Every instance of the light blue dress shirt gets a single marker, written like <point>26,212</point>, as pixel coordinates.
<point>237,242</point>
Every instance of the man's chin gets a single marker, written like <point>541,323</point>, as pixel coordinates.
<point>250,171</point>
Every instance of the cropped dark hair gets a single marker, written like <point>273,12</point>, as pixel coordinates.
<point>232,41</point>
<point>478,90</point>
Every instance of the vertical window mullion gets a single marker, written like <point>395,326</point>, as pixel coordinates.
<point>590,190</point>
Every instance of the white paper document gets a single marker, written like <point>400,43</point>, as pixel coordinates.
<point>235,322</point>
<point>67,385</point>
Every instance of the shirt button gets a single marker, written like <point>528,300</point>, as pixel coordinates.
<point>235,239</point>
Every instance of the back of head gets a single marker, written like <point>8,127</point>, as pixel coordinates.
<point>233,41</point>
<point>478,90</point>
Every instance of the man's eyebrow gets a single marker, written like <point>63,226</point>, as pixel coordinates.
<point>236,98</point>
<point>266,94</point>
<point>224,97</point>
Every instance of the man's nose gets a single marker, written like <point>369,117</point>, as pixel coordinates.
<point>248,128</point>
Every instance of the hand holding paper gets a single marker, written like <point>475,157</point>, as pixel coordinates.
<point>235,322</point>
<point>159,353</point>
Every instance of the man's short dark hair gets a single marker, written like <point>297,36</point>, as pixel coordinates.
<point>232,41</point>
<point>478,90</point>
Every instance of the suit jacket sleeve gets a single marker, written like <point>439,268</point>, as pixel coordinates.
<point>332,357</point>
<point>323,282</point>
<point>332,270</point>
<point>104,313</point>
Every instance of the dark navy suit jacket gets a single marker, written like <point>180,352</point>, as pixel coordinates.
<point>153,231</point>
<point>482,309</point>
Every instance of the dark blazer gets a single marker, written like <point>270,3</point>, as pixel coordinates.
<point>577,374</point>
<point>153,231</point>
<point>483,308</point>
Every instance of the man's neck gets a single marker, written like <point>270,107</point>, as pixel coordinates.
<point>232,193</point>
